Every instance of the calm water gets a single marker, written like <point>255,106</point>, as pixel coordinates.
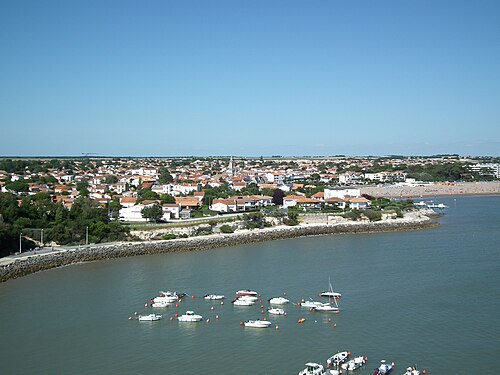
<point>427,297</point>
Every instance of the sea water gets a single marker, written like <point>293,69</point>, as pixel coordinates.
<point>427,297</point>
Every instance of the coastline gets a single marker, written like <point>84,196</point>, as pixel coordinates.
<point>415,220</point>
<point>435,190</point>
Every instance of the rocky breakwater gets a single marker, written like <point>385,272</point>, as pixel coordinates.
<point>31,264</point>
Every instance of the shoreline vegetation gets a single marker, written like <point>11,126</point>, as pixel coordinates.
<point>12,267</point>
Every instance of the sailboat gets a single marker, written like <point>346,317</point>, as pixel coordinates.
<point>330,293</point>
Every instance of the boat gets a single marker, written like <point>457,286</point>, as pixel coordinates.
<point>189,316</point>
<point>353,364</point>
<point>412,370</point>
<point>214,296</point>
<point>278,301</point>
<point>338,358</point>
<point>248,298</point>
<point>326,307</point>
<point>276,311</point>
<point>168,297</point>
<point>313,368</point>
<point>257,323</point>
<point>330,293</point>
<point>161,304</point>
<point>246,292</point>
<point>243,302</point>
<point>384,368</point>
<point>310,303</point>
<point>149,318</point>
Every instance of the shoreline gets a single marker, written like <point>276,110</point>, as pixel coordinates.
<point>20,267</point>
<point>435,190</point>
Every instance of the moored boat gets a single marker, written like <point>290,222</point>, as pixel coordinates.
<point>384,368</point>
<point>309,303</point>
<point>246,292</point>
<point>353,364</point>
<point>278,301</point>
<point>190,316</point>
<point>326,308</point>
<point>276,311</point>
<point>338,358</point>
<point>412,370</point>
<point>257,323</point>
<point>149,318</point>
<point>161,304</point>
<point>168,297</point>
<point>214,296</point>
<point>243,302</point>
<point>313,368</point>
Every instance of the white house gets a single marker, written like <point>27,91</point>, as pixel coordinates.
<point>359,203</point>
<point>342,192</point>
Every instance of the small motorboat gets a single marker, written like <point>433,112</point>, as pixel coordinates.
<point>310,303</point>
<point>276,311</point>
<point>247,292</point>
<point>338,358</point>
<point>257,323</point>
<point>149,318</point>
<point>278,301</point>
<point>313,368</point>
<point>384,368</point>
<point>161,304</point>
<point>243,302</point>
<point>169,297</point>
<point>326,307</point>
<point>214,296</point>
<point>248,298</point>
<point>353,364</point>
<point>330,294</point>
<point>412,370</point>
<point>189,316</point>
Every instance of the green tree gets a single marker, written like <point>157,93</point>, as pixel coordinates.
<point>167,198</point>
<point>147,195</point>
<point>226,229</point>
<point>153,212</point>
<point>165,176</point>
<point>278,196</point>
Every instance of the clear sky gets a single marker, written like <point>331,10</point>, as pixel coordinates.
<point>249,78</point>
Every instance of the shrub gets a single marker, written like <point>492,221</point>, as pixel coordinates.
<point>226,229</point>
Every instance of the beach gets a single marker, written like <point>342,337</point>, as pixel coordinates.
<point>434,190</point>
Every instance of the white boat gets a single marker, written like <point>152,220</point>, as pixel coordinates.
<point>412,370</point>
<point>189,316</point>
<point>326,307</point>
<point>338,358</point>
<point>243,302</point>
<point>276,311</point>
<point>248,298</point>
<point>310,303</point>
<point>384,368</point>
<point>214,296</point>
<point>353,364</point>
<point>149,318</point>
<point>168,297</point>
<point>257,323</point>
<point>278,301</point>
<point>247,292</point>
<point>161,304</point>
<point>330,293</point>
<point>313,369</point>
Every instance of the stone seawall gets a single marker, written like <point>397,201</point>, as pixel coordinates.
<point>62,258</point>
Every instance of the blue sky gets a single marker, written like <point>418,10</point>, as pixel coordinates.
<point>249,78</point>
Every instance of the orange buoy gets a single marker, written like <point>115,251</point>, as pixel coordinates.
<point>176,315</point>
<point>328,365</point>
<point>334,325</point>
<point>301,320</point>
<point>176,305</point>
<point>424,371</point>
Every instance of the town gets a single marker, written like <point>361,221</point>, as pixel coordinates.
<point>77,200</point>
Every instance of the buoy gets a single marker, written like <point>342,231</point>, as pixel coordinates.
<point>129,318</point>
<point>208,320</point>
<point>171,318</point>
<point>216,316</point>
<point>260,301</point>
<point>265,318</point>
<point>284,294</point>
<point>135,312</point>
<point>176,305</point>
<point>424,371</point>
<point>176,315</point>
<point>211,308</point>
<point>277,327</point>
<point>259,295</point>
<point>329,320</point>
<point>334,325</point>
<point>366,358</point>
<point>328,365</point>
<point>241,323</point>
<point>301,320</point>
<point>222,302</point>
<point>285,314</point>
<point>193,297</point>
<point>348,353</point>
<point>145,305</point>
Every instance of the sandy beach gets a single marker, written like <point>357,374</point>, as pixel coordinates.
<point>437,189</point>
